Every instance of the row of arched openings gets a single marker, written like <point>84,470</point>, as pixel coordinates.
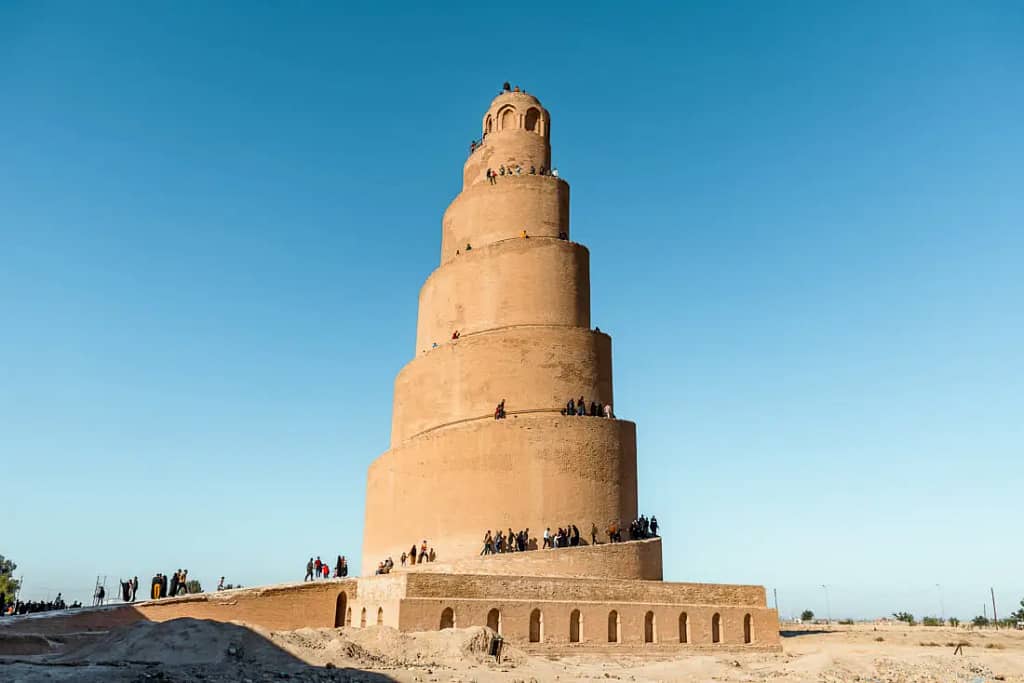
<point>651,628</point>
<point>343,617</point>
<point>343,613</point>
<point>508,118</point>
<point>536,634</point>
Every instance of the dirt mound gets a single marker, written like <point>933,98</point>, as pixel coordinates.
<point>382,646</point>
<point>186,642</point>
<point>180,642</point>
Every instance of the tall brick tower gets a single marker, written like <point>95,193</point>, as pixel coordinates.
<point>521,308</point>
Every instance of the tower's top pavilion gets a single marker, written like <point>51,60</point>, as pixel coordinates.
<point>516,129</point>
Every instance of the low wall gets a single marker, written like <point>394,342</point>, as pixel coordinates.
<point>551,610</point>
<point>284,607</point>
<point>279,608</point>
<point>577,589</point>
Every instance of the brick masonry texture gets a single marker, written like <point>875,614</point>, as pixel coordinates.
<point>527,471</point>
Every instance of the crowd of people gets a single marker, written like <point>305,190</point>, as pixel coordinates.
<point>513,541</point>
<point>414,556</point>
<point>564,537</point>
<point>639,529</point>
<point>568,536</point>
<point>163,586</point>
<point>129,588</point>
<point>643,528</point>
<point>579,407</point>
<point>425,555</point>
<point>572,407</point>
<point>517,170</point>
<point>317,569</point>
<point>18,607</point>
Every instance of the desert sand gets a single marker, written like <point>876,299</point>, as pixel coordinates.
<point>196,650</point>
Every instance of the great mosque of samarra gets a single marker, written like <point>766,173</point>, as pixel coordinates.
<point>520,303</point>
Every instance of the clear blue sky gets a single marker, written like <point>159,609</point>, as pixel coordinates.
<point>805,222</point>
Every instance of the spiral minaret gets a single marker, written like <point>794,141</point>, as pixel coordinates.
<point>521,307</point>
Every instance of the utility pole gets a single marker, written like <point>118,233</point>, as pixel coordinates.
<point>995,619</point>
<point>775,592</point>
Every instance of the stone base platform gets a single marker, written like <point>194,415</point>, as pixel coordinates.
<point>537,612</point>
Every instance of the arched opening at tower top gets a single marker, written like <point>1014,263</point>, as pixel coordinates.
<point>533,120</point>
<point>508,118</point>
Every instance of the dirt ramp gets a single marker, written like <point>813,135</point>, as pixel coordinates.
<point>180,642</point>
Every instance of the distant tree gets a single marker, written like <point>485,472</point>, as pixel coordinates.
<point>8,584</point>
<point>1019,614</point>
<point>953,621</point>
<point>906,617</point>
<point>193,586</point>
<point>980,621</point>
<point>807,615</point>
<point>932,621</point>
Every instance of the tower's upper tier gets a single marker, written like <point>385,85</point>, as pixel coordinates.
<point>516,131</point>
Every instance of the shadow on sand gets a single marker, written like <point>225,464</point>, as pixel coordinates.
<point>177,649</point>
<point>804,632</point>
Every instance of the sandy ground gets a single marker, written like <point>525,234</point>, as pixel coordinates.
<point>195,650</point>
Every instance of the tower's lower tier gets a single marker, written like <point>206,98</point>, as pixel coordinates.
<point>449,486</point>
<point>551,612</point>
